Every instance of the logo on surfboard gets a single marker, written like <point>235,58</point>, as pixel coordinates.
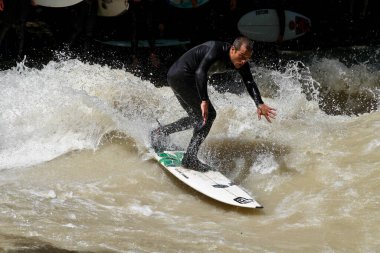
<point>220,186</point>
<point>242,200</point>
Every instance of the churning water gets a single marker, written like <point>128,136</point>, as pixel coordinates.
<point>76,174</point>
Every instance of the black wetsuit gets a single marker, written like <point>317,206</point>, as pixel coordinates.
<point>188,79</point>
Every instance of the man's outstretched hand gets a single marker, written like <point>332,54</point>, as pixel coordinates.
<point>266,111</point>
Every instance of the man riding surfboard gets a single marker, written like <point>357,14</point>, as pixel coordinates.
<point>188,76</point>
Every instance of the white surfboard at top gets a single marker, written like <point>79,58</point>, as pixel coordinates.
<point>112,8</point>
<point>263,25</point>
<point>56,3</point>
<point>211,183</point>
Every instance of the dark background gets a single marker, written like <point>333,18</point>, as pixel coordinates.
<point>49,31</point>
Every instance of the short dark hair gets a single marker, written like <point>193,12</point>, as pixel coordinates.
<point>242,40</point>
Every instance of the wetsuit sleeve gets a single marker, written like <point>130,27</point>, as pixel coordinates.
<point>250,84</point>
<point>201,73</point>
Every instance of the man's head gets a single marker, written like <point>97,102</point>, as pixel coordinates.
<point>241,51</point>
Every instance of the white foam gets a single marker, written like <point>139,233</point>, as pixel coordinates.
<point>65,106</point>
<point>70,105</point>
<point>141,209</point>
<point>264,164</point>
<point>372,146</point>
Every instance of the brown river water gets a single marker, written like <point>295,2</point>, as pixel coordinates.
<point>76,173</point>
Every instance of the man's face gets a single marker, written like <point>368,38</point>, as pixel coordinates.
<point>240,57</point>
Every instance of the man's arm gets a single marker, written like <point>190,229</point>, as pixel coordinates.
<point>253,90</point>
<point>250,84</point>
<point>201,79</point>
<point>202,70</point>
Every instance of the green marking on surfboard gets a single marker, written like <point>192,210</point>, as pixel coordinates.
<point>170,160</point>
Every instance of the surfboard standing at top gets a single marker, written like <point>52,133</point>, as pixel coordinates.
<point>56,3</point>
<point>211,183</point>
<point>112,8</point>
<point>263,25</point>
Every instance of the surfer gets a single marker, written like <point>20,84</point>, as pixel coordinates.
<point>187,77</point>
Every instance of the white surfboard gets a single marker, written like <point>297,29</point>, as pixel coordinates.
<point>187,4</point>
<point>263,25</point>
<point>211,183</point>
<point>111,8</point>
<point>145,43</point>
<point>56,3</point>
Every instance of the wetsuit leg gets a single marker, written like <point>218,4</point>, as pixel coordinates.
<point>200,133</point>
<point>187,95</point>
<point>189,106</point>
